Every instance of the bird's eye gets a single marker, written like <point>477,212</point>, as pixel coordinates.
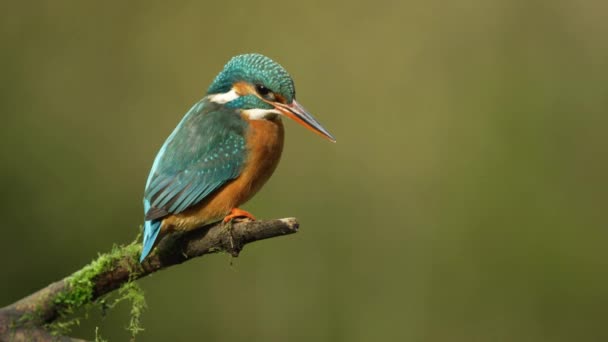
<point>264,92</point>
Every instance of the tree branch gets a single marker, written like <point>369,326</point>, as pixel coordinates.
<point>26,319</point>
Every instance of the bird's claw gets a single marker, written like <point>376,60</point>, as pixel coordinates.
<point>238,214</point>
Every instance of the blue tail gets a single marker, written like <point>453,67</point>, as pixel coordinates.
<point>151,230</point>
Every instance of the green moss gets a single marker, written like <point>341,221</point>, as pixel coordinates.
<point>28,317</point>
<point>81,283</point>
<point>98,337</point>
<point>133,293</point>
<point>79,292</point>
<point>63,327</point>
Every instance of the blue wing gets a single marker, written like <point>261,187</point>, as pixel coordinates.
<point>205,150</point>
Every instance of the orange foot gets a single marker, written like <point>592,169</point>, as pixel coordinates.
<point>238,213</point>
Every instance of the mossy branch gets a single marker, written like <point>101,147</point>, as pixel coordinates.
<point>29,319</point>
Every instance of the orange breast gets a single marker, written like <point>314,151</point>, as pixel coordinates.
<point>265,144</point>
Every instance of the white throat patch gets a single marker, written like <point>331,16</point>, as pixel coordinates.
<point>260,114</point>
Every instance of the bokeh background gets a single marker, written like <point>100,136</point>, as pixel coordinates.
<point>465,199</point>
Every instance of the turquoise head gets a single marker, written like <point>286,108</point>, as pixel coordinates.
<point>261,89</point>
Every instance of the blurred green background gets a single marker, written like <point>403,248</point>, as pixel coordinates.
<point>465,199</point>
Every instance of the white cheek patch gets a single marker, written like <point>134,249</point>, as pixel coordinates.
<point>251,114</point>
<point>224,97</point>
<point>260,114</point>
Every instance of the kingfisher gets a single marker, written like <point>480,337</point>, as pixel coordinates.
<point>223,150</point>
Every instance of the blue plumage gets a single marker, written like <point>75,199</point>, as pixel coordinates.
<point>151,230</point>
<point>254,68</point>
<point>205,150</point>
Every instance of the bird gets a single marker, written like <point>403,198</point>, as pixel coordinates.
<point>223,150</point>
